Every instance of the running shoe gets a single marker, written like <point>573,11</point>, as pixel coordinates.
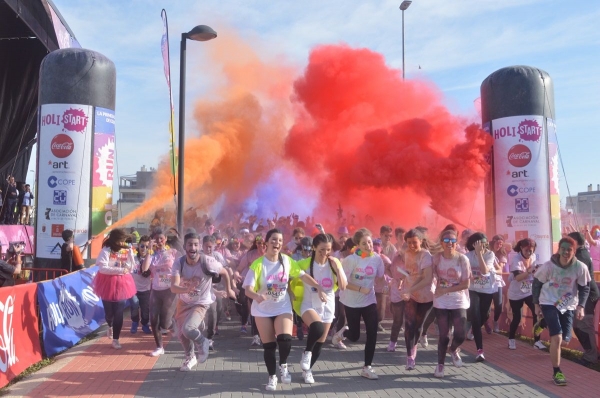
<point>146,329</point>
<point>391,347</point>
<point>470,335</point>
<point>164,331</point>
<point>116,345</point>
<point>211,345</point>
<point>456,359</point>
<point>496,327</point>
<point>286,377</point>
<point>340,345</point>
<point>256,341</point>
<point>380,327</point>
<point>559,379</point>
<point>423,341</point>
<point>134,327</point>
<point>512,344</point>
<point>480,357</point>
<point>488,328</point>
<point>243,330</point>
<point>368,373</point>
<point>227,315</point>
<point>109,332</point>
<point>439,371</point>
<point>188,364</point>
<point>272,383</point>
<point>157,352</point>
<point>410,363</point>
<point>539,345</point>
<point>305,361</point>
<point>308,377</point>
<point>339,336</point>
<point>203,350</point>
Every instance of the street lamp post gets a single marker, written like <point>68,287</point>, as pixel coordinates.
<point>199,33</point>
<point>403,6</point>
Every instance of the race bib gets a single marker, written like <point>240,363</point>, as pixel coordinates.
<point>482,282</point>
<point>276,292</point>
<point>164,280</point>
<point>526,286</point>
<point>190,297</point>
<point>563,303</point>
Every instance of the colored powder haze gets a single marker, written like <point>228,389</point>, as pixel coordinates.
<point>347,132</point>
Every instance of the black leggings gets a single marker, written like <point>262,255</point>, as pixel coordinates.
<point>414,316</point>
<point>497,299</point>
<point>398,317</point>
<point>478,314</point>
<point>113,313</point>
<point>340,315</point>
<point>369,316</point>
<point>242,306</point>
<point>516,306</point>
<point>445,318</point>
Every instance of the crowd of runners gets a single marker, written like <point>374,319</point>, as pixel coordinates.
<point>324,285</point>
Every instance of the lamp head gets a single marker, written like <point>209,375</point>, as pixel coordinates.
<point>405,4</point>
<point>201,33</point>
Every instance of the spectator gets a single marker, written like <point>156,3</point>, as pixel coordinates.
<point>12,195</point>
<point>12,265</point>
<point>25,201</point>
<point>71,257</point>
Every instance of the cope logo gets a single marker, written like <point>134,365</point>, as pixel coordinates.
<point>514,190</point>
<point>61,146</point>
<point>54,181</point>
<point>519,155</point>
<point>521,205</point>
<point>60,197</point>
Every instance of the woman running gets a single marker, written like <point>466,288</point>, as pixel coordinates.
<point>267,285</point>
<point>451,299</point>
<point>340,312</point>
<point>316,314</point>
<point>140,302</point>
<point>497,246</point>
<point>257,250</point>
<point>481,288</point>
<point>361,269</point>
<point>417,291</point>
<point>162,299</point>
<point>113,282</point>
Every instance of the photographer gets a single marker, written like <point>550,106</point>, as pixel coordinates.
<point>11,265</point>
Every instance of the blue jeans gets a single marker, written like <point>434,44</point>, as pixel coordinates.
<point>558,323</point>
<point>140,305</point>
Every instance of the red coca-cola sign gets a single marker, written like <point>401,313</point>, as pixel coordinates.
<point>61,146</point>
<point>519,155</point>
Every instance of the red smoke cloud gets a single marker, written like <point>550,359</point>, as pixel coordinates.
<point>380,145</point>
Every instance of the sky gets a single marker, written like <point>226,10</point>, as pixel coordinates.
<point>454,45</point>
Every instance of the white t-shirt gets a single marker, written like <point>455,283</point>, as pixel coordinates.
<point>161,266</point>
<point>451,272</point>
<point>142,283</point>
<point>324,277</point>
<point>361,272</point>
<point>202,294</point>
<point>560,284</point>
<point>414,264</point>
<point>519,290</point>
<point>273,284</point>
<point>27,199</point>
<point>482,283</point>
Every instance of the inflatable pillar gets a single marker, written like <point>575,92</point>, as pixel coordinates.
<point>76,150</point>
<point>521,192</point>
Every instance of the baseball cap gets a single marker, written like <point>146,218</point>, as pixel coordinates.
<point>306,243</point>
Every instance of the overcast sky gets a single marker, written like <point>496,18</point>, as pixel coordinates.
<point>455,44</point>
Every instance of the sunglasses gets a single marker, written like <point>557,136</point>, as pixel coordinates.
<point>143,246</point>
<point>449,240</point>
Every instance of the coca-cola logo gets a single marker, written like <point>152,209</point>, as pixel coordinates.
<point>61,146</point>
<point>519,155</point>
<point>75,120</point>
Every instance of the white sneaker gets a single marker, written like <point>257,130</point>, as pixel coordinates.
<point>496,327</point>
<point>109,332</point>
<point>470,336</point>
<point>340,345</point>
<point>539,345</point>
<point>456,359</point>
<point>305,361</point>
<point>368,373</point>
<point>116,345</point>
<point>286,377</point>
<point>391,347</point>
<point>211,345</point>
<point>203,350</point>
<point>439,371</point>
<point>423,341</point>
<point>272,383</point>
<point>339,336</point>
<point>256,341</point>
<point>308,377</point>
<point>164,331</point>
<point>512,344</point>
<point>188,364</point>
<point>158,352</point>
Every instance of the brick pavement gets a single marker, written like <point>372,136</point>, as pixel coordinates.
<point>236,370</point>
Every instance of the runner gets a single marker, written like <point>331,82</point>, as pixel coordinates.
<point>140,302</point>
<point>162,299</point>
<point>113,283</point>
<point>497,246</point>
<point>192,282</point>
<point>361,269</point>
<point>316,314</point>
<point>340,311</point>
<point>451,300</point>
<point>481,288</point>
<point>397,303</point>
<point>560,290</point>
<point>417,291</point>
<point>382,285</point>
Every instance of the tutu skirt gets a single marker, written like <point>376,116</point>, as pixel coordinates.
<point>114,287</point>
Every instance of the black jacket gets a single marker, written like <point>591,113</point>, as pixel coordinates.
<point>582,254</point>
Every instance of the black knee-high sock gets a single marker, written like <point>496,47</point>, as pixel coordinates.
<point>270,360</point>
<point>316,351</point>
<point>315,332</point>
<point>284,341</point>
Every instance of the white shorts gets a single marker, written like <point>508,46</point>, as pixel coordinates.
<point>326,311</point>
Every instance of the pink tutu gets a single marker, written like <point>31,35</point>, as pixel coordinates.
<point>114,287</point>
